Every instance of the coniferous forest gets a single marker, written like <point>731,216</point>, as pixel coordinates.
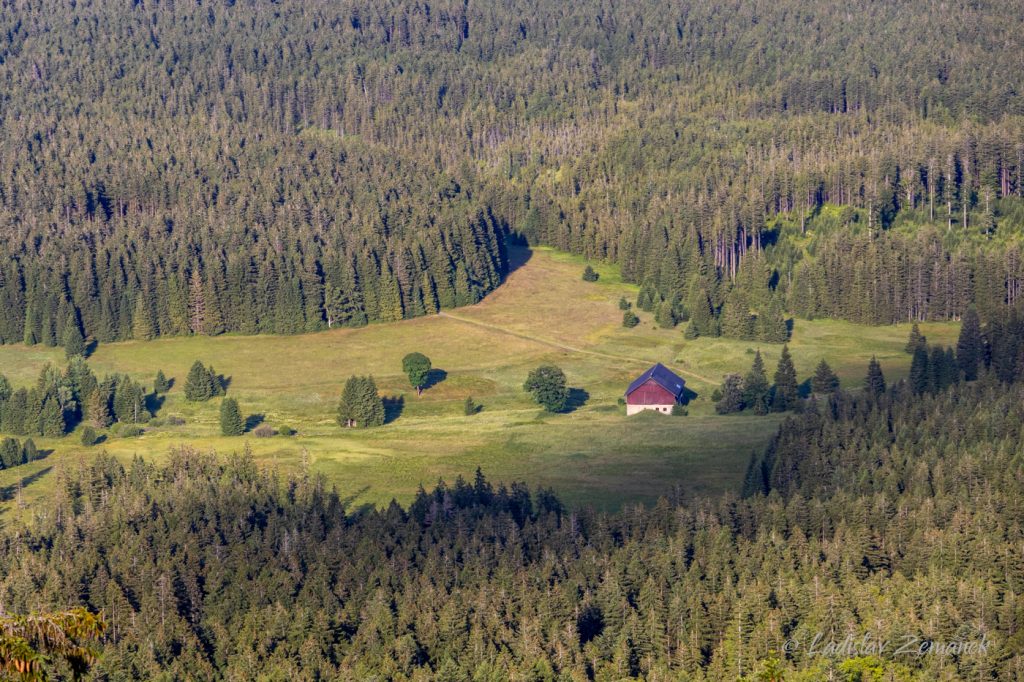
<point>188,167</point>
<point>880,514</point>
<point>173,168</point>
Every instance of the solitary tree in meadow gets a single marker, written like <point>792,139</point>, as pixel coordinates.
<point>547,385</point>
<point>590,275</point>
<point>198,385</point>
<point>417,367</point>
<point>360,405</point>
<point>231,423</point>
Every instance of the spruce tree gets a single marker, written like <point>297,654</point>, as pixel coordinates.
<point>231,423</point>
<point>198,385</point>
<point>73,341</point>
<point>914,340</point>
<point>968,345</point>
<point>360,405</point>
<point>874,384</point>
<point>10,453</point>
<point>786,390</point>
<point>624,304</point>
<point>88,436</point>
<point>160,383</point>
<point>629,319</point>
<point>756,387</point>
<point>97,411</point>
<point>51,419</point>
<point>29,451</point>
<point>665,315</point>
<point>920,375</point>
<point>590,275</point>
<point>824,379</point>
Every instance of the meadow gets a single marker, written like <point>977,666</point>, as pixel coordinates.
<point>543,313</point>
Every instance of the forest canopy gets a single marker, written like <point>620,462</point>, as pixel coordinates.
<point>196,168</point>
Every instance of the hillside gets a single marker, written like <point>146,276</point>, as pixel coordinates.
<point>544,312</point>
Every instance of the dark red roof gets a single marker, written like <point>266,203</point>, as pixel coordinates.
<point>663,376</point>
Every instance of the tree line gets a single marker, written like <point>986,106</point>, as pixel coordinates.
<point>367,166</point>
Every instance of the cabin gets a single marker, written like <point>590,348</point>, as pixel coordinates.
<point>656,389</point>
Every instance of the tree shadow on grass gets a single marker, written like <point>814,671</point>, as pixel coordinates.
<point>154,402</point>
<point>688,395</point>
<point>434,377</point>
<point>393,408</point>
<point>578,397</point>
<point>7,492</point>
<point>253,420</point>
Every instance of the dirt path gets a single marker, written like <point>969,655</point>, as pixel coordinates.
<point>571,349</point>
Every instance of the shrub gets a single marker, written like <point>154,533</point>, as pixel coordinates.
<point>175,420</point>
<point>131,431</point>
<point>679,410</point>
<point>88,436</point>
<point>629,319</point>
<point>263,431</point>
<point>589,275</point>
<point>155,423</point>
<point>286,431</point>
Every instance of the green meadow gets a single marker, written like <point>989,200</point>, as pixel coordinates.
<point>543,313</point>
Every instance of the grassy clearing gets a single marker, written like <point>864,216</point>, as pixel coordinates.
<point>543,313</point>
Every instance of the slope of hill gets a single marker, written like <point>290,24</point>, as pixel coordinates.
<point>543,313</point>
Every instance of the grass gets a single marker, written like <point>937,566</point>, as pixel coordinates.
<point>543,313</point>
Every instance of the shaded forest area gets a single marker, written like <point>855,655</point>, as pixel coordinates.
<point>176,168</point>
<point>889,514</point>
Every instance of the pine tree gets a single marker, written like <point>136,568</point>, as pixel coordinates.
<point>198,385</point>
<point>915,339</point>
<point>216,383</point>
<point>756,388</point>
<point>665,315</point>
<point>73,341</point>
<point>824,379</point>
<point>143,327</point>
<point>97,411</point>
<point>968,345</point>
<point>29,451</point>
<point>920,376</point>
<point>51,419</point>
<point>360,405</point>
<point>786,390</point>
<point>231,423</point>
<point>10,453</point>
<point>874,384</point>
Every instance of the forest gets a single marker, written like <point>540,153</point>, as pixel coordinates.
<point>171,168</point>
<point>883,514</point>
